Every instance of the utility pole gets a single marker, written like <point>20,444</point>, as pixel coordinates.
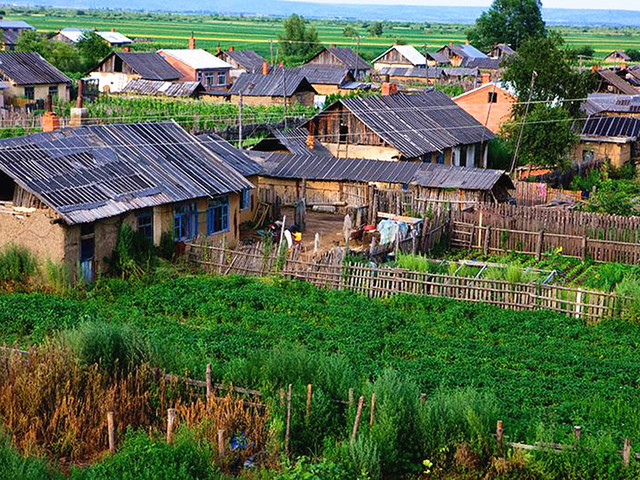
<point>355,73</point>
<point>271,51</point>
<point>284,96</point>
<point>534,74</point>
<point>240,120</point>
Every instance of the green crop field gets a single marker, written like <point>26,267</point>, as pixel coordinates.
<point>243,33</point>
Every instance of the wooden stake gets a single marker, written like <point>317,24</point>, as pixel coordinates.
<point>281,393</point>
<point>351,397</point>
<point>423,397</point>
<point>221,443</point>
<point>309,393</point>
<point>576,432</point>
<point>209,385</point>
<point>111,428</point>
<point>626,452</point>
<point>499,433</point>
<point>373,409</point>
<point>288,427</point>
<point>356,423</point>
<point>171,418</point>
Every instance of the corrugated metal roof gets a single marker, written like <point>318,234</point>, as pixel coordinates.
<point>236,158</point>
<point>93,172</point>
<point>324,74</point>
<point>407,51</point>
<point>247,59</point>
<point>612,126</point>
<point>149,65</point>
<point>418,124</point>
<point>465,178</point>
<point>272,85</point>
<point>460,72</point>
<point>467,51</point>
<point>438,57</point>
<point>75,35</point>
<point>429,72</point>
<point>613,79</point>
<point>16,24</point>
<point>609,102</point>
<point>196,58</point>
<point>29,68</point>
<point>114,38</point>
<point>313,166</point>
<point>484,63</point>
<point>162,89</point>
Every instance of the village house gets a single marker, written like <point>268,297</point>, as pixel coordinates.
<point>611,104</point>
<point>425,127</point>
<point>10,31</point>
<point>74,35</point>
<point>241,61</point>
<point>158,88</point>
<point>197,65</point>
<point>324,179</point>
<point>407,76</point>
<point>65,193</point>
<point>282,86</point>
<point>119,68</point>
<point>342,57</point>
<point>294,140</point>
<point>500,51</point>
<point>468,56</point>
<point>490,104</point>
<point>400,56</point>
<point>617,56</point>
<point>613,81</point>
<point>29,78</point>
<point>435,59</point>
<point>327,80</point>
<point>610,138</point>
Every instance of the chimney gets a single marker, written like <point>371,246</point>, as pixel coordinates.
<point>50,121</point>
<point>333,45</point>
<point>623,65</point>
<point>486,78</point>
<point>78,114</point>
<point>466,42</point>
<point>281,64</point>
<point>126,48</point>
<point>192,42</point>
<point>113,29</point>
<point>231,48</point>
<point>310,136</point>
<point>265,68</point>
<point>451,44</point>
<point>388,89</point>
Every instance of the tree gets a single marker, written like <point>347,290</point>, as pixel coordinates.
<point>298,40</point>
<point>375,29</point>
<point>508,21</point>
<point>31,41</point>
<point>584,51</point>
<point>634,54</point>
<point>92,48</point>
<point>350,32</point>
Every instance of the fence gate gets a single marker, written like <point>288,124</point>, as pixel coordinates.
<point>462,234</point>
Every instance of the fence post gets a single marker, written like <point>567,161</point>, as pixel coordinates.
<point>221,443</point>
<point>208,378</point>
<point>584,247</point>
<point>487,238</point>
<point>309,394</point>
<point>111,428</point>
<point>171,418</point>
<point>357,420</point>
<point>288,426</point>
<point>499,433</point>
<point>626,452</point>
<point>539,245</point>
<point>576,432</point>
<point>373,409</point>
<point>351,397</point>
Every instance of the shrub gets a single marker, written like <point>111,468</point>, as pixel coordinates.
<point>134,253</point>
<point>17,264</point>
<point>15,466</point>
<point>628,291</point>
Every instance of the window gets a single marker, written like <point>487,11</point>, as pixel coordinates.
<point>222,78</point>
<point>218,215</point>
<point>117,64</point>
<point>53,91</point>
<point>209,79</point>
<point>185,222</point>
<point>493,97</point>
<point>245,199</point>
<point>29,93</point>
<point>145,224</point>
<point>440,158</point>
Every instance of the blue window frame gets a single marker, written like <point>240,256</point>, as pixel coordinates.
<point>185,221</point>
<point>440,158</point>
<point>218,215</point>
<point>144,221</point>
<point>245,199</point>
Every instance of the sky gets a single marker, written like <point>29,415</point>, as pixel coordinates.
<point>581,4</point>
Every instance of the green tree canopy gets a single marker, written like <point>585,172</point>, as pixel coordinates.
<point>299,40</point>
<point>508,21</point>
<point>61,55</point>
<point>350,32</point>
<point>375,29</point>
<point>634,54</point>
<point>92,48</point>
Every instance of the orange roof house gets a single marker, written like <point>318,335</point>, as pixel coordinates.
<point>490,104</point>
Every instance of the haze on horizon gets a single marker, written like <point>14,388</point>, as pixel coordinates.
<point>577,4</point>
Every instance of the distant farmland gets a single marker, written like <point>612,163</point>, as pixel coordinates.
<point>173,31</point>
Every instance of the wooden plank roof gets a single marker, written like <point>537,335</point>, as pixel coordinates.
<point>613,79</point>
<point>149,65</point>
<point>247,59</point>
<point>162,88</point>
<point>276,84</point>
<point>94,172</point>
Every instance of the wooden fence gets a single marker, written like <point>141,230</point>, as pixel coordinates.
<point>532,193</point>
<point>331,271</point>
<point>503,228</point>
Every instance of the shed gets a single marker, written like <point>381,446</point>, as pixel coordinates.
<point>30,77</point>
<point>342,57</point>
<point>611,82</point>
<point>159,88</point>
<point>11,30</point>
<point>400,56</point>
<point>610,138</point>
<point>273,89</point>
